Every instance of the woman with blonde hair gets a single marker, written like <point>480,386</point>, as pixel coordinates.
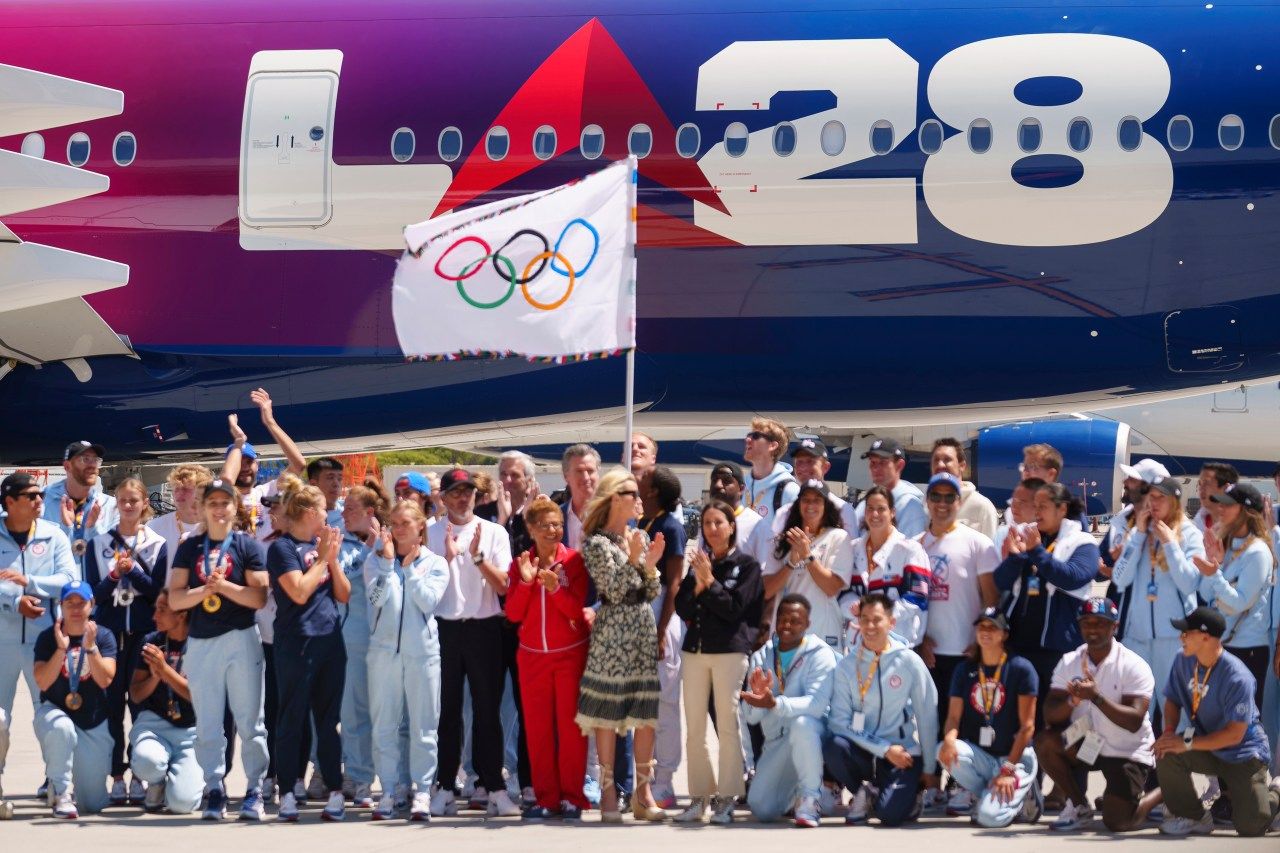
<point>619,689</point>
<point>1158,564</point>
<point>126,568</point>
<point>405,583</point>
<point>308,584</point>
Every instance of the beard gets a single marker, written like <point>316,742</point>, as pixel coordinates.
<point>246,479</point>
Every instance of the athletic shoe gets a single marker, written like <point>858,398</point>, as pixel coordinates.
<point>315,789</point>
<point>664,797</point>
<point>288,809</point>
<point>137,791</point>
<point>215,805</point>
<point>695,812</point>
<point>858,806</point>
<point>386,809</point>
<point>1180,826</point>
<point>252,807</point>
<point>917,809</point>
<point>537,812</point>
<point>443,803</point>
<point>335,810</point>
<point>404,793</point>
<point>154,800</point>
<point>1156,815</point>
<point>479,800</point>
<point>936,801</point>
<point>1222,811</point>
<point>722,810</point>
<point>268,790</point>
<point>1072,818</point>
<point>65,807</point>
<point>591,790</point>
<point>362,796</point>
<point>501,805</point>
<point>119,794</point>
<point>528,796</point>
<point>829,799</point>
<point>568,811</point>
<point>1033,805</point>
<point>468,786</point>
<point>807,812</point>
<point>420,811</point>
<point>299,793</point>
<point>6,809</point>
<point>43,792</point>
<point>959,804</point>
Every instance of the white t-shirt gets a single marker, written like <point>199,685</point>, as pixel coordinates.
<point>469,595</point>
<point>955,599</point>
<point>174,533</point>
<point>1123,673</point>
<point>834,549</point>
<point>573,530</point>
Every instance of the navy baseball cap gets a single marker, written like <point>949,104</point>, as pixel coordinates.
<point>1098,606</point>
<point>1167,486</point>
<point>225,486</point>
<point>416,481</point>
<point>730,468</point>
<point>943,479</point>
<point>455,478</point>
<point>1205,619</point>
<point>17,483</point>
<point>75,448</point>
<point>995,616</point>
<point>80,588</point>
<point>811,446</point>
<point>885,448</point>
<point>247,451</point>
<point>1239,494</point>
<point>814,486</point>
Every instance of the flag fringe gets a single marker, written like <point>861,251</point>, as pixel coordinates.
<point>533,359</point>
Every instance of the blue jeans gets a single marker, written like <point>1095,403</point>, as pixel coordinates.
<point>975,769</point>
<point>73,755</point>
<point>790,762</point>
<point>163,752</point>
<point>896,788</point>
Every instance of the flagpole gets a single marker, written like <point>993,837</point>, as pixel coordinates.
<point>631,394</point>
<point>632,191</point>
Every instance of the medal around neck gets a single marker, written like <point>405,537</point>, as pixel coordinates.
<point>79,547</point>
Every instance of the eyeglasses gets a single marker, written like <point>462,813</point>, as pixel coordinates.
<point>33,496</point>
<point>549,525</point>
<point>756,435</point>
<point>943,497</point>
<point>629,493</point>
<point>1027,468</point>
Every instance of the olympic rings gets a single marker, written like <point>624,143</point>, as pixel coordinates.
<point>544,256</point>
<point>550,256</point>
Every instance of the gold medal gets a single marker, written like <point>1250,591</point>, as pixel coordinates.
<point>175,713</point>
<point>79,547</point>
<point>74,701</point>
<point>212,603</point>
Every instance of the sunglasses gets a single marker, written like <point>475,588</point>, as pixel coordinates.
<point>756,435</point>
<point>34,496</point>
<point>943,498</point>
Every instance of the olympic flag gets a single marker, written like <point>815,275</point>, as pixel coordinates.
<point>545,275</point>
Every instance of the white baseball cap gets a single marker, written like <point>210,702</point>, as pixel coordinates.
<point>1146,470</point>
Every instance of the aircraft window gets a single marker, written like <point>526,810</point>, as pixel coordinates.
<point>882,137</point>
<point>640,141</point>
<point>124,149</point>
<point>735,139</point>
<point>33,145</point>
<point>497,142</point>
<point>1274,131</point>
<point>688,140</point>
<point>592,141</point>
<point>784,139</point>
<point>1231,132</point>
<point>1129,133</point>
<point>1180,133</point>
<point>1029,134</point>
<point>931,136</point>
<point>1079,134</point>
<point>403,143</point>
<point>450,144</point>
<point>980,136</point>
<point>833,138</point>
<point>78,149</point>
<point>544,142</point>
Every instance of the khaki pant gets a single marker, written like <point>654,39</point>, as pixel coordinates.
<point>720,675</point>
<point>1252,805</point>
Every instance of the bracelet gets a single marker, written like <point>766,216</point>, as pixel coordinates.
<point>91,650</point>
<point>1008,769</point>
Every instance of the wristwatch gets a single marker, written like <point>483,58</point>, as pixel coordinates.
<point>1188,737</point>
<point>91,650</point>
<point>811,559</point>
<point>479,558</point>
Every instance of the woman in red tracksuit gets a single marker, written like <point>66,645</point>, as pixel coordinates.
<point>547,597</point>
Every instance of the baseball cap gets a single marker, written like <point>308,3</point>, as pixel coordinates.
<point>730,468</point>
<point>80,588</point>
<point>811,446</point>
<point>885,448</point>
<point>943,479</point>
<point>224,486</point>
<point>1099,606</point>
<point>247,451</point>
<point>17,483</point>
<point>995,616</point>
<point>75,448</point>
<point>814,486</point>
<point>1239,494</point>
<point>1206,619</point>
<point>1167,485</point>
<point>415,481</point>
<point>1146,470</point>
<point>454,478</point>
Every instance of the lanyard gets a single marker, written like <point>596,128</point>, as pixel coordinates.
<point>74,662</point>
<point>78,522</point>
<point>1199,688</point>
<point>654,521</point>
<point>871,563</point>
<point>1156,549</point>
<point>865,684</point>
<point>202,576</point>
<point>989,696</point>
<point>777,667</point>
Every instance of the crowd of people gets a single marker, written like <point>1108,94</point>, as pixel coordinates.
<point>914,652</point>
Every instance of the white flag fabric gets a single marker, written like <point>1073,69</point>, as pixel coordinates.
<point>545,275</point>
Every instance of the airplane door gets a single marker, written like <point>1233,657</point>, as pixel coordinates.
<point>285,156</point>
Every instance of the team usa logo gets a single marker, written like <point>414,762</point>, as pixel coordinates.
<point>38,549</point>
<point>994,698</point>
<point>895,681</point>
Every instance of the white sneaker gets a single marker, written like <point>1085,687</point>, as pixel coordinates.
<point>1179,826</point>
<point>154,799</point>
<point>288,808</point>
<point>421,809</point>
<point>722,811</point>
<point>362,795</point>
<point>501,804</point>
<point>1072,818</point>
<point>694,813</point>
<point>528,796</point>
<point>386,809</point>
<point>807,812</point>
<point>65,807</point>
<point>858,806</point>
<point>299,792</point>
<point>119,793</point>
<point>960,803</point>
<point>829,799</point>
<point>137,791</point>
<point>315,788</point>
<point>443,803</point>
<point>335,811</point>
<point>479,799</point>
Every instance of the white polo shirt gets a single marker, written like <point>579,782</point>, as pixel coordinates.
<point>469,595</point>
<point>1123,673</point>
